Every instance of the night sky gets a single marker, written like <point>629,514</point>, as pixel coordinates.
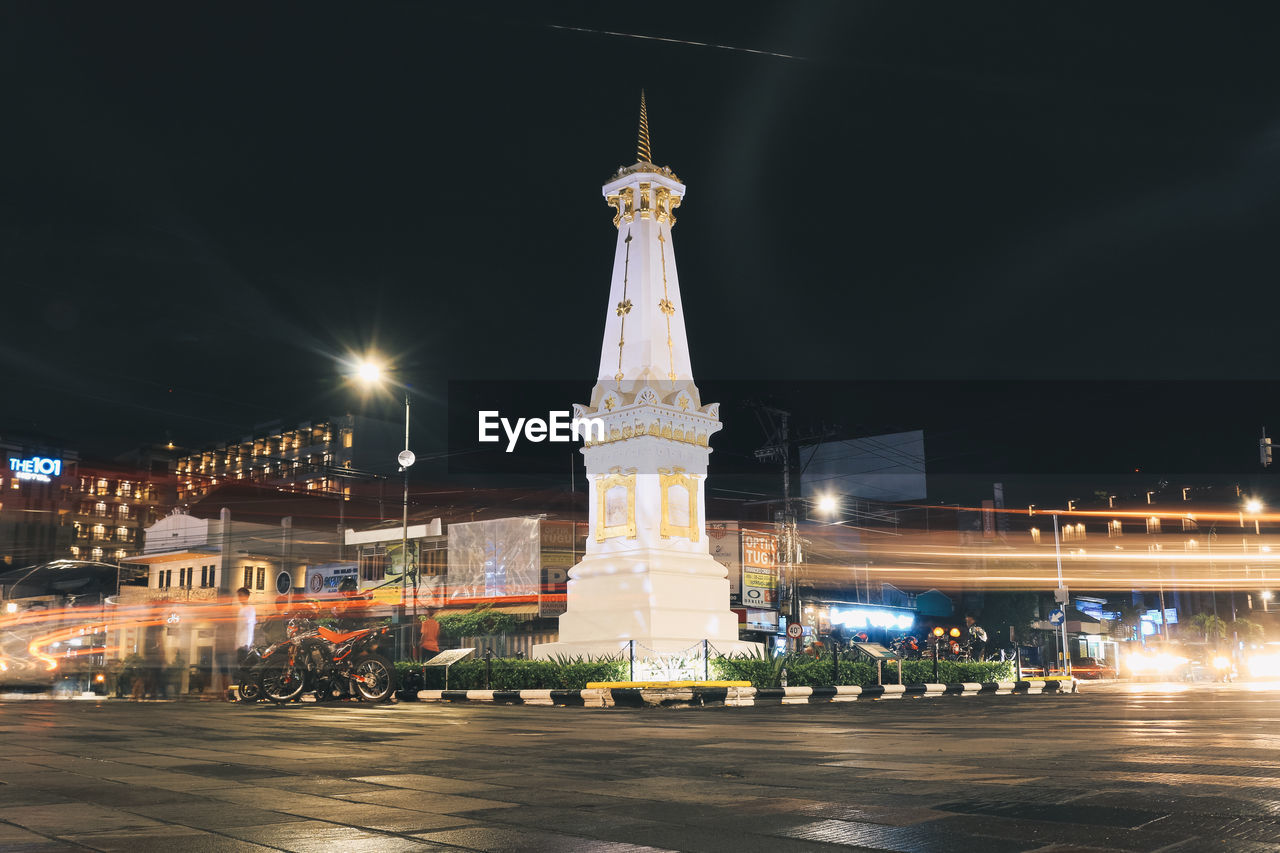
<point>203,207</point>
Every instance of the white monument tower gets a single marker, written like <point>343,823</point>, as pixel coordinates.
<point>646,575</point>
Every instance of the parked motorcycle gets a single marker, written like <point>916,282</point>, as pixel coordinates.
<point>906,647</point>
<point>331,664</point>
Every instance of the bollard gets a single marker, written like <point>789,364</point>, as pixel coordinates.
<point>706,661</point>
<point>937,646</point>
<point>488,667</point>
<point>632,647</point>
<point>782,677</point>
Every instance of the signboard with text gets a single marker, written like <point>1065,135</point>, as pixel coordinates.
<point>759,570</point>
<point>724,541</point>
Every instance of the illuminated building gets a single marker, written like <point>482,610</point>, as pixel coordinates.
<point>309,457</point>
<point>56,506</point>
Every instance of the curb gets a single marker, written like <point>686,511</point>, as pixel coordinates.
<point>673,697</point>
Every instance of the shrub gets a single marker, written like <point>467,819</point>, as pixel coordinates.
<point>480,622</point>
<point>804,671</point>
<point>515,674</point>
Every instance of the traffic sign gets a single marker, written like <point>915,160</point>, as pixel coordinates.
<point>794,630</point>
<point>1057,617</point>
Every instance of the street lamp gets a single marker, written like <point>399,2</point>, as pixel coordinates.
<point>827,505</point>
<point>370,374</point>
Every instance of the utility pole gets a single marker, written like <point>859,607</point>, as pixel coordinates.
<point>777,448</point>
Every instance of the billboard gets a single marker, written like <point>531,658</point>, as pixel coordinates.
<point>495,559</point>
<point>724,540</point>
<point>759,570</point>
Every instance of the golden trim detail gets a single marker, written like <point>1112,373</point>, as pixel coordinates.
<point>668,477</point>
<point>666,307</point>
<point>604,482</point>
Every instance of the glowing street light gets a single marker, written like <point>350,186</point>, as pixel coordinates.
<point>369,373</point>
<point>827,504</point>
<point>1253,506</point>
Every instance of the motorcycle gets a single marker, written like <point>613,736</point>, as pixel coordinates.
<point>331,664</point>
<point>906,647</point>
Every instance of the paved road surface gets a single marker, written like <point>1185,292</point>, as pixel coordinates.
<point>1114,768</point>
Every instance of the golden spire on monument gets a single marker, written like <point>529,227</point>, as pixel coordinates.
<point>642,145</point>
<point>644,150</point>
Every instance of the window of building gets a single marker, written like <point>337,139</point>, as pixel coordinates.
<point>13,483</point>
<point>99,532</point>
<point>433,561</point>
<point>102,487</point>
<point>1114,528</point>
<point>373,562</point>
<point>122,534</point>
<point>75,552</point>
<point>346,438</point>
<point>1153,524</point>
<point>262,577</point>
<point>248,577</point>
<point>1035,535</point>
<point>120,554</point>
<point>123,510</point>
<point>100,508</point>
<point>126,488</point>
<point>1189,523</point>
<point>97,553</point>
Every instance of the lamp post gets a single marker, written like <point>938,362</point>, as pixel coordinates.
<point>406,459</point>
<point>370,374</point>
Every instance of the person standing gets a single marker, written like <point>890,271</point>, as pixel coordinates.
<point>429,644</point>
<point>976,637</point>
<point>246,623</point>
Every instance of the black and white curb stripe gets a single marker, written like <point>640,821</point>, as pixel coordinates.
<point>630,697</point>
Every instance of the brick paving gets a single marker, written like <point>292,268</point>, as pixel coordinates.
<point>1119,767</point>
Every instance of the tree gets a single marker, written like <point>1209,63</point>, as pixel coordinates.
<point>1130,620</point>
<point>1248,630</point>
<point>1209,625</point>
<point>1002,610</point>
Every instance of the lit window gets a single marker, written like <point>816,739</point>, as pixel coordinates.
<point>1114,529</point>
<point>99,532</point>
<point>122,534</point>
<point>102,487</point>
<point>1189,523</point>
<point>13,484</point>
<point>96,553</point>
<point>346,438</point>
<point>120,554</point>
<point>262,577</point>
<point>124,510</point>
<point>100,508</point>
<point>248,577</point>
<point>75,551</point>
<point>1153,524</point>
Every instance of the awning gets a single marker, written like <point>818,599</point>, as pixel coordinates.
<point>166,556</point>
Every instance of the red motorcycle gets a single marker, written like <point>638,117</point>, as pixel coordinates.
<point>332,664</point>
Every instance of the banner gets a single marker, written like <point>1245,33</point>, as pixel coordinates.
<point>725,543</point>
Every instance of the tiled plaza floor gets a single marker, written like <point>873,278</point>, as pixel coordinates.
<point>1116,768</point>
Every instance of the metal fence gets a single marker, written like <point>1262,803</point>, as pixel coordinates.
<point>508,645</point>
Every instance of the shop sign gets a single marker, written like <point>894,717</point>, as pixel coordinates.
<point>39,468</point>
<point>872,617</point>
<point>327,578</point>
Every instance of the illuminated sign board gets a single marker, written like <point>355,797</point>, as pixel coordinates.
<point>872,617</point>
<point>39,468</point>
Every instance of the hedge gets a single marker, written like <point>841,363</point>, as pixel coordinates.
<point>804,671</point>
<point>512,674</point>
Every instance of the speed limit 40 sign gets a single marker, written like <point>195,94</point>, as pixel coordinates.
<point>794,630</point>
